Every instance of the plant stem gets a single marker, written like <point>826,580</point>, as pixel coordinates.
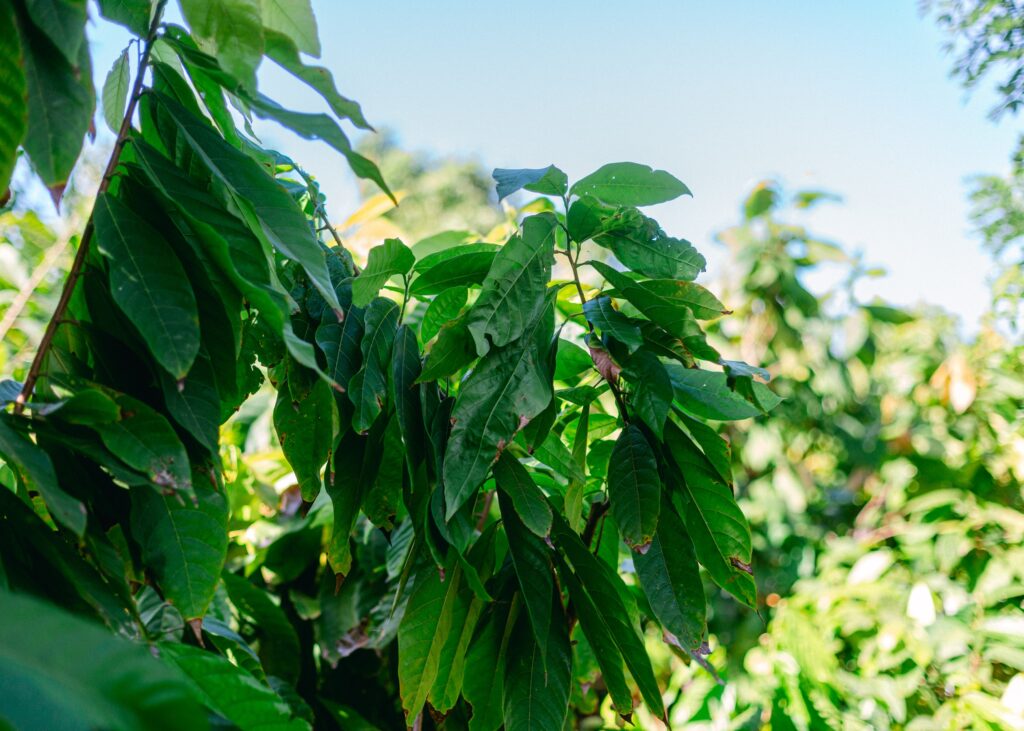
<point>83,248</point>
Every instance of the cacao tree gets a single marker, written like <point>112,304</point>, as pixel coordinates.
<point>506,471</point>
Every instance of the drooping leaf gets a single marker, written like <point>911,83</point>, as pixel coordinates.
<point>483,687</point>
<point>231,31</point>
<point>115,92</point>
<point>33,466</point>
<point>268,208</point>
<point>340,342</point>
<point>507,388</point>
<point>715,523</point>
<point>703,304</point>
<point>602,314</point>
<point>529,502</point>
<point>548,181</point>
<point>458,266</point>
<point>707,394</point>
<point>652,391</point>
<point>630,184</point>
<point>670,578</point>
<point>194,402</point>
<point>512,296</point>
<point>368,388</point>
<point>101,681</point>
<point>13,105</point>
<point>305,428</point>
<point>149,284</point>
<point>184,545</point>
<point>278,642</point>
<point>390,259</point>
<point>453,350</point>
<point>405,395</point>
<point>634,488</point>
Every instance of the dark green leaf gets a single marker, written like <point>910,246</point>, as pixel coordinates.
<point>646,249</point>
<point>13,103</point>
<point>340,342</point>
<point>368,388</point>
<point>132,14</point>
<point>707,394</point>
<point>305,428</point>
<point>442,309</point>
<point>63,22</point>
<point>278,643</point>
<point>634,488</point>
<point>529,502</point>
<point>453,350</point>
<point>652,391</point>
<point>602,314</point>
<point>455,267</point>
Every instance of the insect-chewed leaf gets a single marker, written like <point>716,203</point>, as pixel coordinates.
<point>630,184</point>
<point>508,387</point>
<point>644,248</point>
<point>670,578</point>
<point>149,284</point>
<point>717,527</point>
<point>184,545</point>
<point>305,428</point>
<point>634,488</point>
<point>390,259</point>
<point>513,294</point>
<point>537,679</point>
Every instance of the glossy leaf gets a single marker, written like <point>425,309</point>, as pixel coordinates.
<point>390,259</point>
<point>630,184</point>
<point>707,394</point>
<point>602,314</point>
<point>529,502</point>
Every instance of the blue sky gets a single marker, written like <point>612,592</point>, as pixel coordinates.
<point>854,98</point>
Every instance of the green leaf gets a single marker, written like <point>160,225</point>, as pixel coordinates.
<point>646,249</point>
<point>13,106</point>
<point>340,342</point>
<point>554,454</point>
<point>715,448</point>
<point>513,294</point>
<point>453,350</point>
<point>295,19</point>
<point>717,526</point>
<point>529,502</point>
<point>532,563</point>
<point>703,304</point>
<point>670,578</point>
<point>607,590</point>
<point>144,440</point>
<point>60,106</point>
<point>454,267</point>
<point>570,361</point>
<point>630,184</point>
<point>442,309</point>
<point>507,388</point>
<point>63,22</point>
<point>427,624</point>
<point>267,207</point>
<point>652,391</point>
<point>634,488</point>
<point>194,403</point>
<point>537,679</point>
<point>279,649</point>
<point>547,181</point>
<point>132,14</point>
<point>368,388</point>
<point>390,259</point>
<point>601,313</point>
<point>101,680</point>
<point>405,393</point>
<point>35,469</point>
<point>149,284</point>
<point>231,691</point>
<point>231,31</point>
<point>483,686</point>
<point>305,428</point>
<point>282,50</point>
<point>184,545</point>
<point>707,394</point>
<point>115,92</point>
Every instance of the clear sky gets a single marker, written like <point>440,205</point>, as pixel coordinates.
<point>853,97</point>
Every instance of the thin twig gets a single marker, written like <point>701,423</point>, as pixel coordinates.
<point>83,247</point>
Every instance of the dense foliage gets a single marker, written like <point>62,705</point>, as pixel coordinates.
<point>498,478</point>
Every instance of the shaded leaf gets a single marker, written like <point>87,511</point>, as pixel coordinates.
<point>634,488</point>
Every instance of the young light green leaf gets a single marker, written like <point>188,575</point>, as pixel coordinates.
<point>115,92</point>
<point>602,314</point>
<point>149,284</point>
<point>512,296</point>
<point>630,184</point>
<point>231,31</point>
<point>634,488</point>
<point>390,259</point>
<point>295,19</point>
<point>35,469</point>
<point>547,181</point>
<point>184,545</point>
<point>670,578</point>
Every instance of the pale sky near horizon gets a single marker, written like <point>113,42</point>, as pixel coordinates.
<point>854,98</point>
